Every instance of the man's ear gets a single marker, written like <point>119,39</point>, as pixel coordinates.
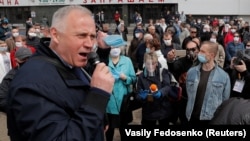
<point>54,35</point>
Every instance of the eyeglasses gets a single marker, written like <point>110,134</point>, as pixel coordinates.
<point>191,49</point>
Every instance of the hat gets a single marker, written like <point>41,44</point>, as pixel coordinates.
<point>4,21</point>
<point>23,53</point>
<point>114,41</point>
<point>139,31</point>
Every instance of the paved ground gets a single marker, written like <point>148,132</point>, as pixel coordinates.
<point>3,127</point>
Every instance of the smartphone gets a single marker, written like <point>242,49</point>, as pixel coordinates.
<point>180,53</point>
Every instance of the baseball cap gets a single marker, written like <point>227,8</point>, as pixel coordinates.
<point>114,41</point>
<point>4,21</point>
<point>139,31</point>
<point>23,53</point>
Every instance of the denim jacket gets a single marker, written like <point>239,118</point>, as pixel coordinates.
<point>217,91</point>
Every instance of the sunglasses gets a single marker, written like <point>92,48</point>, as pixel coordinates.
<point>191,49</point>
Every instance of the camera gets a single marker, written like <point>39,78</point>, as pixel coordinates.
<point>242,55</point>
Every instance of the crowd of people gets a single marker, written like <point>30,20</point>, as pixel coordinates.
<point>49,90</point>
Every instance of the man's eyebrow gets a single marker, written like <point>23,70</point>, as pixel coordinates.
<point>86,34</point>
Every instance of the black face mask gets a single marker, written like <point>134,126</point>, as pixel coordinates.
<point>190,55</point>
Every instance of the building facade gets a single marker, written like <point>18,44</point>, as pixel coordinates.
<point>17,11</point>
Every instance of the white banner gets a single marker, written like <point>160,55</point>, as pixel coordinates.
<point>6,3</point>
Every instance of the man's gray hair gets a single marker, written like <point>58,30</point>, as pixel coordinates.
<point>62,13</point>
<point>148,36</point>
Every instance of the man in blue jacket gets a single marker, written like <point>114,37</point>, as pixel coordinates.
<point>207,84</point>
<point>51,96</point>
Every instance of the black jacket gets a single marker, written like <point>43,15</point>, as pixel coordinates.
<point>233,74</point>
<point>47,102</point>
<point>4,88</point>
<point>234,111</point>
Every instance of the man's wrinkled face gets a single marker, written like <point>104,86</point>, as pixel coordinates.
<point>76,39</point>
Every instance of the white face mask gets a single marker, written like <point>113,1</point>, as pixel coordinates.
<point>213,40</point>
<point>167,42</point>
<point>32,34</point>
<point>233,30</point>
<point>18,44</point>
<point>115,52</point>
<point>3,49</point>
<point>15,34</point>
<point>37,30</point>
<point>137,35</point>
<point>236,39</point>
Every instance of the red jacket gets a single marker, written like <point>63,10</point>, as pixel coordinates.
<point>117,16</point>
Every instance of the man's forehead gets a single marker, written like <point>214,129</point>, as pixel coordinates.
<point>191,44</point>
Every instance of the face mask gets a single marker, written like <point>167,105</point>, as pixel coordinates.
<point>137,35</point>
<point>190,55</point>
<point>147,50</point>
<point>94,48</point>
<point>115,52</point>
<point>247,47</point>
<point>198,21</point>
<point>202,58</point>
<point>213,40</point>
<point>15,34</point>
<point>5,26</point>
<point>236,39</point>
<point>18,44</point>
<point>167,42</point>
<point>37,30</point>
<point>41,35</point>
<point>215,32</point>
<point>2,49</point>
<point>233,30</point>
<point>32,34</point>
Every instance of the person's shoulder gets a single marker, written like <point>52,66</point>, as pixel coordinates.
<point>125,58</point>
<point>221,71</point>
<point>194,68</point>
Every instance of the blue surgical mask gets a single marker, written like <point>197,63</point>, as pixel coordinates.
<point>3,49</point>
<point>148,50</point>
<point>115,52</point>
<point>202,58</point>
